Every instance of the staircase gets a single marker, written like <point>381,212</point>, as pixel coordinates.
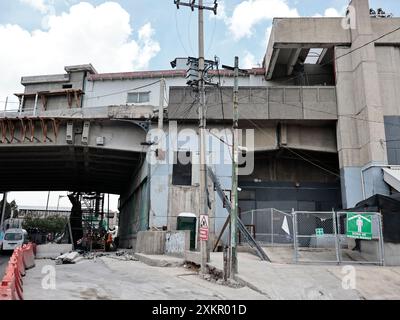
<point>242,228</point>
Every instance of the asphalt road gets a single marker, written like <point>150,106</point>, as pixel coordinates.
<point>3,263</point>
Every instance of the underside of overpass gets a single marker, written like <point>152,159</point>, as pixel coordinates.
<point>72,168</point>
<point>288,179</point>
<point>78,150</point>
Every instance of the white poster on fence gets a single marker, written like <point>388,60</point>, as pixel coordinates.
<point>285,226</point>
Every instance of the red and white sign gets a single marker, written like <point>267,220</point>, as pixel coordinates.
<point>203,235</point>
<point>204,228</point>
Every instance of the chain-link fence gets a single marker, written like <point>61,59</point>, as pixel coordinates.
<point>330,237</point>
<point>269,227</point>
<point>360,237</point>
<point>318,237</point>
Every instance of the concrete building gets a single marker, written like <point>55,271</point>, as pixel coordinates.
<point>360,57</point>
<point>321,119</point>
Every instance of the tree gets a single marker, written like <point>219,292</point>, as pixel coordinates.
<point>51,224</point>
<point>10,207</point>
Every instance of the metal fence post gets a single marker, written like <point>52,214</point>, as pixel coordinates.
<point>294,217</point>
<point>272,227</point>
<point>381,243</point>
<point>252,223</point>
<point>337,244</point>
<point>339,229</point>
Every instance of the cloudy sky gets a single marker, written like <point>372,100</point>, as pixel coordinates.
<point>42,36</point>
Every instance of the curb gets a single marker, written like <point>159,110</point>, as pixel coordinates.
<point>154,262</point>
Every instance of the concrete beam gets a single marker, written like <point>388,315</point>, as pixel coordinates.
<point>96,113</point>
<point>322,55</point>
<point>294,56</point>
<point>271,64</point>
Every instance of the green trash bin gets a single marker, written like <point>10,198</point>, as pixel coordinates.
<point>188,223</point>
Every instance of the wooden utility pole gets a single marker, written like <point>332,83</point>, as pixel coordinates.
<point>235,169</point>
<point>204,247</point>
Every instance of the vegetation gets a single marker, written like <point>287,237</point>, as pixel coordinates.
<point>10,207</point>
<point>52,224</point>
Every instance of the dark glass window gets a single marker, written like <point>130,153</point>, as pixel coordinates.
<point>182,170</point>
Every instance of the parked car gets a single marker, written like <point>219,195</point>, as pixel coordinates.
<point>14,238</point>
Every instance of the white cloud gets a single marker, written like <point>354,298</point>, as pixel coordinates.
<point>332,12</point>
<point>248,13</point>
<point>40,5</point>
<point>100,35</point>
<point>221,12</point>
<point>249,61</point>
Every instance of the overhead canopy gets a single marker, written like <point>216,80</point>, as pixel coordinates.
<point>389,207</point>
<point>392,177</point>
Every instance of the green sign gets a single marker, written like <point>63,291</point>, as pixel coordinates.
<point>359,226</point>
<point>319,232</point>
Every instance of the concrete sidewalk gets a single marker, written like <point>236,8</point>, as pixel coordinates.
<point>299,282</point>
<point>107,278</point>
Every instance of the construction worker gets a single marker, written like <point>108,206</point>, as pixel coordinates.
<point>108,242</point>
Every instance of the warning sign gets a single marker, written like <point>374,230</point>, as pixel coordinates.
<point>204,227</point>
<point>203,221</point>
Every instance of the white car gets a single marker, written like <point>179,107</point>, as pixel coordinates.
<point>14,238</point>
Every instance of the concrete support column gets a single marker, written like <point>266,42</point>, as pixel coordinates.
<point>361,130</point>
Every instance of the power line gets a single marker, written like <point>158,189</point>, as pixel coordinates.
<point>362,46</point>
<point>305,159</point>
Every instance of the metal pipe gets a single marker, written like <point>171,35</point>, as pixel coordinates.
<point>381,241</point>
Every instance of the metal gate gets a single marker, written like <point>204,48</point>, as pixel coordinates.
<point>318,237</point>
<point>327,237</point>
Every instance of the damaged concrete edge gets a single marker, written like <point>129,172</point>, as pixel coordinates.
<point>99,113</point>
<point>155,262</point>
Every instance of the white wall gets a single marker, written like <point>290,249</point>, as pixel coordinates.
<point>115,92</point>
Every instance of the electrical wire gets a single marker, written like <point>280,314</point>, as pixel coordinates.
<point>222,106</point>
<point>179,34</point>
<point>362,46</point>
<point>289,149</point>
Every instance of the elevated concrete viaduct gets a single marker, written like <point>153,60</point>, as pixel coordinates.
<point>97,149</point>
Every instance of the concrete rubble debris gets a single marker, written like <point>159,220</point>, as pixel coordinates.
<point>120,255</point>
<point>69,258</point>
<point>76,256</point>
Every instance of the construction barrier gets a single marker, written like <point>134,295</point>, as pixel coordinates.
<point>23,258</point>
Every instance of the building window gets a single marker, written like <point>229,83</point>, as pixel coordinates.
<point>182,170</point>
<point>138,97</point>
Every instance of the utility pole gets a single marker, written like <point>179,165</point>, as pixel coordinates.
<point>233,263</point>
<point>108,213</point>
<point>204,248</point>
<point>235,169</point>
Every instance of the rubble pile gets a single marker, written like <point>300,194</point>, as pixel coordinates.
<point>76,256</point>
<point>69,258</point>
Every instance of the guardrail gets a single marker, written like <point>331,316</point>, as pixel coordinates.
<point>23,258</point>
